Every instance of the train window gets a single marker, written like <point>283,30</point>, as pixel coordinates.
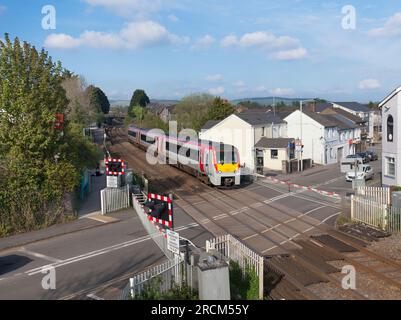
<point>226,155</point>
<point>147,139</point>
<point>167,145</point>
<point>132,134</point>
<point>143,137</point>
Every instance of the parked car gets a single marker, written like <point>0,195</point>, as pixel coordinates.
<point>372,155</point>
<point>365,157</point>
<point>364,172</point>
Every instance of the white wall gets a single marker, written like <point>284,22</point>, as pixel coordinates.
<point>238,133</point>
<point>392,149</point>
<point>275,164</point>
<point>312,131</point>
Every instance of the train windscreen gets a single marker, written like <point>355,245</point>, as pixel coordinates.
<point>226,154</point>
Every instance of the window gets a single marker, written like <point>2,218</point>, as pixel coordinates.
<point>274,154</point>
<point>263,131</point>
<point>390,167</point>
<point>390,128</point>
<point>132,134</point>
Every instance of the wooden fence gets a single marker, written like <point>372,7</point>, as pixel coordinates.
<point>235,250</point>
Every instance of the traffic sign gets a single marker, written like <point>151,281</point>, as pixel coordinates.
<point>173,241</point>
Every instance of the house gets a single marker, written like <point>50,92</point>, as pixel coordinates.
<point>391,140</point>
<point>244,130</point>
<point>271,153</point>
<point>163,111</point>
<point>372,118</point>
<point>326,138</point>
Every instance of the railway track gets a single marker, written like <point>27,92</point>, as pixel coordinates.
<point>297,259</point>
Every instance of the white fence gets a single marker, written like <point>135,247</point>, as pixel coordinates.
<point>164,276</point>
<point>114,199</point>
<point>381,195</point>
<point>374,214</point>
<point>234,250</point>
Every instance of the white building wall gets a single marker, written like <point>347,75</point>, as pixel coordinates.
<point>392,149</point>
<point>274,164</point>
<point>238,133</point>
<point>312,132</point>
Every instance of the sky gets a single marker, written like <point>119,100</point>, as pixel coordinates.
<point>337,50</point>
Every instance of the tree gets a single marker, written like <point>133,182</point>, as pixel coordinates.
<point>80,109</point>
<point>219,110</point>
<point>191,111</point>
<point>139,98</point>
<point>98,99</point>
<point>39,165</point>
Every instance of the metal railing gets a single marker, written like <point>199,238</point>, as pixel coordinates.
<point>381,195</point>
<point>162,277</point>
<point>114,199</point>
<point>232,249</point>
<point>377,215</point>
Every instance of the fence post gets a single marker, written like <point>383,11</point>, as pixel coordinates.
<point>385,217</point>
<point>352,207</point>
<point>131,283</point>
<point>261,278</point>
<point>102,200</point>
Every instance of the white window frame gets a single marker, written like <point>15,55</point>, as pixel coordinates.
<point>390,161</point>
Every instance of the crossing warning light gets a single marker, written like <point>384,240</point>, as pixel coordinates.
<point>161,210</point>
<point>114,167</point>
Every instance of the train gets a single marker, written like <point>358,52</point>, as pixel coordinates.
<point>216,164</point>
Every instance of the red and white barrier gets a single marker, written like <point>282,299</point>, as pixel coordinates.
<point>294,185</point>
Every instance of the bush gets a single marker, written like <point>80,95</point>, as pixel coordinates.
<point>243,286</point>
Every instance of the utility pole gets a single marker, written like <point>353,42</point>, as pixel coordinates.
<point>302,162</point>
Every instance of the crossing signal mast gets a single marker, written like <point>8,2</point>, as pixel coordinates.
<point>115,170</point>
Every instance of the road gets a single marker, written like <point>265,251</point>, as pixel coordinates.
<point>330,178</point>
<point>90,264</point>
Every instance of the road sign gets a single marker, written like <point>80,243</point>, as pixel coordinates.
<point>173,241</point>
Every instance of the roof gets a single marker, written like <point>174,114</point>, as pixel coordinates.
<point>390,96</point>
<point>269,143</point>
<point>256,118</point>
<point>341,122</point>
<point>345,114</point>
<point>210,124</point>
<point>319,107</point>
<point>354,106</point>
<point>322,119</point>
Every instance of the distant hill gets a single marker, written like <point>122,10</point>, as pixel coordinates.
<point>267,100</point>
<point>126,103</point>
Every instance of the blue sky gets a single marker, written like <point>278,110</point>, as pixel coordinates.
<point>231,48</point>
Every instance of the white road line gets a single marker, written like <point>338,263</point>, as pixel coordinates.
<point>94,297</point>
<point>250,237</point>
<point>39,255</point>
<point>100,252</point>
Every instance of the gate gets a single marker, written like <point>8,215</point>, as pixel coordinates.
<point>114,199</point>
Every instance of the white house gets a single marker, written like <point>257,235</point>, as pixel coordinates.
<point>273,152</point>
<point>391,140</point>
<point>244,130</point>
<point>326,138</point>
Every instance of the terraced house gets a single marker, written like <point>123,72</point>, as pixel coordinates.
<point>327,138</point>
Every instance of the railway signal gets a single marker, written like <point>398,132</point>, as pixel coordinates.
<point>114,167</point>
<point>161,210</point>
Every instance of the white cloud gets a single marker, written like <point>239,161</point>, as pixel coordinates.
<point>203,42</point>
<point>282,92</point>
<point>292,54</point>
<point>217,91</point>
<point>214,78</point>
<point>173,18</point>
<point>369,84</point>
<point>283,47</point>
<point>240,83</point>
<point>133,36</point>
<point>391,28</point>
